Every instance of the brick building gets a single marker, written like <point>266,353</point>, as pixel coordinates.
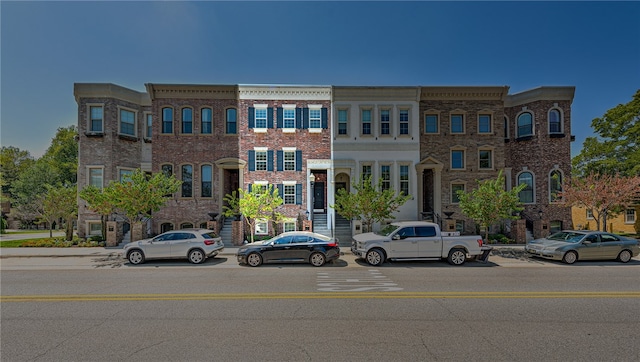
<point>426,141</point>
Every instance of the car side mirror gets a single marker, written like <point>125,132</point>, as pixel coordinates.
<point>586,242</point>
<point>396,237</point>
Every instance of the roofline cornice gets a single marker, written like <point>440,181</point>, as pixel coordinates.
<point>545,93</point>
<point>110,90</point>
<point>191,91</point>
<point>383,93</point>
<point>284,92</point>
<point>496,93</point>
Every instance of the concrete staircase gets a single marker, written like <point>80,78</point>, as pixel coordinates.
<point>341,231</point>
<point>225,232</point>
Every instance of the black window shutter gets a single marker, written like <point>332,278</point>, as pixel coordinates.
<point>299,194</point>
<point>270,160</point>
<point>252,117</point>
<point>305,118</point>
<point>252,160</point>
<point>324,118</point>
<point>280,161</point>
<point>298,118</point>
<point>298,160</point>
<point>280,117</point>
<point>280,189</point>
<point>250,185</point>
<point>270,117</point>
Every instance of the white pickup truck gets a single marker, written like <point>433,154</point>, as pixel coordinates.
<point>417,240</point>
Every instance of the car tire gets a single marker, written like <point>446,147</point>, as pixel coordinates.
<point>317,259</point>
<point>196,256</point>
<point>254,259</point>
<point>457,256</point>
<point>624,256</point>
<point>570,257</point>
<point>135,256</point>
<point>375,257</point>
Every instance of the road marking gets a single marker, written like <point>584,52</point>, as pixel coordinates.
<point>313,295</point>
<point>364,281</point>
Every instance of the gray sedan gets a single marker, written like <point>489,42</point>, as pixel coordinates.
<point>573,245</point>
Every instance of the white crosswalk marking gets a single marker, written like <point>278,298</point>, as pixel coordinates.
<point>366,281</point>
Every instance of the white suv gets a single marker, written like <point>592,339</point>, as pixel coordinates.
<point>196,245</point>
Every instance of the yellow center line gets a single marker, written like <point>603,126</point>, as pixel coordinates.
<point>319,295</point>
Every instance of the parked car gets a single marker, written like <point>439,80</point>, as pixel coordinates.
<point>573,245</point>
<point>293,246</point>
<point>196,245</point>
<point>417,240</point>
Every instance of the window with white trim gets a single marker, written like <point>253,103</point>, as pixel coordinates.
<point>289,191</point>
<point>124,174</point>
<point>289,160</point>
<point>127,122</point>
<point>455,187</point>
<point>555,121</point>
<point>96,119</point>
<point>365,117</point>
<point>485,159</point>
<point>457,159</point>
<point>484,124</point>
<point>526,196</point>
<point>589,214</point>
<point>261,117</point>
<point>385,175</point>
<point>457,123</point>
<point>149,125</point>
<point>289,118</point>
<point>385,122</point>
<point>630,216</point>
<point>525,124</point>
<point>261,160</point>
<point>94,228</point>
<point>262,227</point>
<point>404,179</point>
<point>431,124</point>
<point>403,119</point>
<point>289,225</point>
<point>315,118</point>
<point>366,172</point>
<point>555,186</point>
<point>343,119</point>
<point>96,177</point>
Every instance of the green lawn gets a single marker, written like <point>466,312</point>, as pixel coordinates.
<point>17,243</point>
<point>17,232</point>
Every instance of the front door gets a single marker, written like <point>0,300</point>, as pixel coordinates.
<point>318,196</point>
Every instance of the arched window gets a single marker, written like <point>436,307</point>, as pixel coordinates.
<point>205,177</point>
<point>206,121</point>
<point>555,121</point>
<point>555,186</point>
<point>187,181</point>
<point>231,121</point>
<point>167,120</point>
<point>167,226</point>
<point>187,120</point>
<point>186,225</point>
<point>525,124</point>
<point>526,195</point>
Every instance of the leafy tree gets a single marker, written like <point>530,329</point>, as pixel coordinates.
<point>62,155</point>
<point>13,162</point>
<point>616,148</point>
<point>99,201</point>
<point>60,203</point>
<point>490,203</point>
<point>259,204</point>
<point>605,195</point>
<point>370,202</point>
<point>29,189</point>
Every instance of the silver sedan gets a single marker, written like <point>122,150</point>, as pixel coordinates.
<point>573,245</point>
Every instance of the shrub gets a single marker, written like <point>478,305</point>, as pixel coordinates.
<point>499,239</point>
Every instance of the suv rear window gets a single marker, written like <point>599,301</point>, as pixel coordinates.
<point>210,235</point>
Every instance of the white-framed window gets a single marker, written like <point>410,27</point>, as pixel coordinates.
<point>96,118</point>
<point>485,159</point>
<point>589,214</point>
<point>365,119</point>
<point>431,123</point>
<point>94,228</point>
<point>261,160</point>
<point>187,120</point>
<point>555,185</point>
<point>404,179</point>
<point>315,118</point>
<point>231,121</point>
<point>148,131</point>
<point>167,120</point>
<point>124,174</point>
<point>458,159</point>
<point>289,118</point>
<point>127,122</point>
<point>288,225</point>
<point>343,122</point>
<point>289,160</point>
<point>96,176</point>
<point>630,216</point>
<point>484,124</point>
<point>262,227</point>
<point>385,122</point>
<point>206,121</point>
<point>261,117</point>
<point>385,175</point>
<point>455,187</point>
<point>525,124</point>
<point>289,191</point>
<point>457,123</point>
<point>366,171</point>
<point>555,121</point>
<point>403,122</point>
<point>527,196</point>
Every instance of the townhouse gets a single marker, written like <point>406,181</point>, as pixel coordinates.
<point>310,141</point>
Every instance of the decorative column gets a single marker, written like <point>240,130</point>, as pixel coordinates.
<point>112,233</point>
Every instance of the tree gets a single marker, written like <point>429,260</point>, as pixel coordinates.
<point>62,155</point>
<point>259,204</point>
<point>60,203</point>
<point>605,195</point>
<point>370,202</point>
<point>99,201</point>
<point>616,149</point>
<point>32,184</point>
<point>490,203</point>
<point>13,162</point>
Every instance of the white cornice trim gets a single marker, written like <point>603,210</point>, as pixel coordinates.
<point>284,92</point>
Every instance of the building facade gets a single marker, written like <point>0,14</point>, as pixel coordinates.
<point>310,141</point>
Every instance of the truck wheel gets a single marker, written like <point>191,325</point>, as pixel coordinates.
<point>457,256</point>
<point>375,257</point>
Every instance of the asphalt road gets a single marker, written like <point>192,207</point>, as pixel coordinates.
<point>102,309</point>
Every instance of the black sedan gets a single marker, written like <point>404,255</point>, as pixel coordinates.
<point>293,246</point>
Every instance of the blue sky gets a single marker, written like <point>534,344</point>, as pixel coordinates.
<point>47,46</point>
